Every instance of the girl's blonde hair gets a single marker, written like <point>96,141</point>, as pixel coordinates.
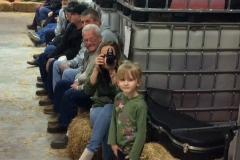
<point>128,68</point>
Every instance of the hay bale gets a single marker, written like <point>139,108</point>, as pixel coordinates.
<point>80,132</point>
<point>6,6</point>
<point>155,151</point>
<point>24,6</point>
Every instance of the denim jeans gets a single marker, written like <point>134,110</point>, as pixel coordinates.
<point>71,100</point>
<point>41,32</point>
<point>41,15</point>
<point>100,118</point>
<point>69,74</point>
<point>49,34</point>
<point>49,80</point>
<point>42,61</point>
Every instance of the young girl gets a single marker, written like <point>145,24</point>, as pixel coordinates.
<point>127,131</point>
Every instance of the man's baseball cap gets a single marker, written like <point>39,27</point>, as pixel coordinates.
<point>77,9</point>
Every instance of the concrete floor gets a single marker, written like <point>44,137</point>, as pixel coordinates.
<point>23,125</point>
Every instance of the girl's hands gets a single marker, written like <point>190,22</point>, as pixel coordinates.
<point>115,149</point>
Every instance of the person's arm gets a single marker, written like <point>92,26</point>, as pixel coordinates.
<point>141,131</point>
<point>60,23</point>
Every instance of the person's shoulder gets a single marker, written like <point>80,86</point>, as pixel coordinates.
<point>140,101</point>
<point>119,95</point>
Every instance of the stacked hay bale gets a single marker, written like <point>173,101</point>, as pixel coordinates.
<point>80,132</point>
<point>5,6</point>
<point>24,6</point>
<point>155,151</point>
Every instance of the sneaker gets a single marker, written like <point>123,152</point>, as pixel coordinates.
<point>33,35</point>
<point>56,129</point>
<point>38,28</point>
<point>39,85</point>
<point>60,143</point>
<point>32,62</point>
<point>34,42</point>
<point>42,92</point>
<point>31,27</point>
<point>45,101</point>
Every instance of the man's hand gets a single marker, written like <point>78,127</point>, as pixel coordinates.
<point>50,14</point>
<point>63,67</point>
<point>115,149</point>
<point>48,62</point>
<point>75,85</point>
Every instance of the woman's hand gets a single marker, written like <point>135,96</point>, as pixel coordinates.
<point>115,149</point>
<point>50,14</point>
<point>75,85</point>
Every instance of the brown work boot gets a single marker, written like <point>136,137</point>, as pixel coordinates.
<point>36,56</point>
<point>39,85</point>
<point>32,62</point>
<point>49,110</point>
<point>45,101</point>
<point>53,121</point>
<point>42,92</point>
<point>39,78</point>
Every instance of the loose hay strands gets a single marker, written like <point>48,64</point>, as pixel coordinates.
<point>155,151</point>
<point>80,132</point>
<point>24,6</point>
<point>6,6</point>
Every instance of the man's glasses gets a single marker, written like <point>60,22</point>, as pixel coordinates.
<point>92,39</point>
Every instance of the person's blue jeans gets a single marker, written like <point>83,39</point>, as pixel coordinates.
<point>41,15</point>
<point>100,118</point>
<point>49,34</point>
<point>42,61</point>
<point>49,80</point>
<point>41,32</point>
<point>68,74</point>
<point>72,99</point>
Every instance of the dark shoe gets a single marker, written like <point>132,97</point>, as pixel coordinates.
<point>39,85</point>
<point>60,143</point>
<point>42,92</point>
<point>36,56</point>
<point>45,101</point>
<point>39,78</point>
<point>32,62</point>
<point>56,129</point>
<point>31,27</point>
<point>33,35</point>
<point>49,110</point>
<point>53,121</point>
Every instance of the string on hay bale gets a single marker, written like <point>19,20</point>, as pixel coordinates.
<point>6,6</point>
<point>155,151</point>
<point>24,6</point>
<point>80,132</point>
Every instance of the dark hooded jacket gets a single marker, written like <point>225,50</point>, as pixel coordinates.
<point>70,43</point>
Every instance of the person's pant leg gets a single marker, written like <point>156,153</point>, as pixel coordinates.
<point>70,74</point>
<point>57,74</point>
<point>37,15</point>
<point>72,99</point>
<point>101,117</point>
<point>41,32</point>
<point>50,80</point>
<point>43,13</point>
<point>61,87</point>
<point>49,34</point>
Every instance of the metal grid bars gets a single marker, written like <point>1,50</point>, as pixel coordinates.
<point>199,62</point>
<point>191,6</point>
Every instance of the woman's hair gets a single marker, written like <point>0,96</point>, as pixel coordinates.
<point>128,68</point>
<point>116,48</point>
<point>92,27</point>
